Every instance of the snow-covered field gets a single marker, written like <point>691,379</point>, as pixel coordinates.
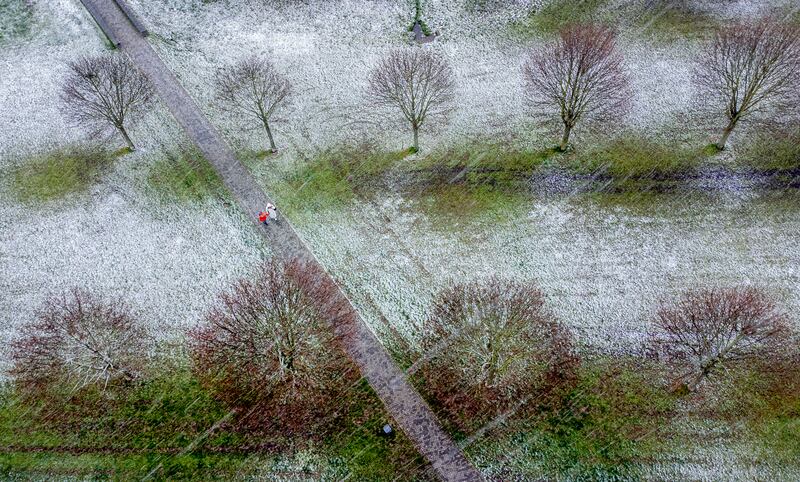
<point>605,269</point>
<point>121,239</point>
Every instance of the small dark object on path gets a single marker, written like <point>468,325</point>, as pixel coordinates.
<point>386,431</point>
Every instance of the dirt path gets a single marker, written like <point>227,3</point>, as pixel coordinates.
<point>401,399</point>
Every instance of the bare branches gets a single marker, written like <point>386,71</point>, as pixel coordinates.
<point>253,87</point>
<point>79,340</point>
<point>707,331</point>
<point>492,344</point>
<point>580,76</point>
<point>269,346</point>
<point>105,91</point>
<point>417,83</point>
<point>749,68</point>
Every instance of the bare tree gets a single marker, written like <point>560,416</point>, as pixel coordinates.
<point>492,343</point>
<point>416,82</point>
<point>254,87</point>
<point>749,68</point>
<point>580,76</point>
<point>707,331</point>
<point>269,348</point>
<point>79,340</point>
<point>105,91</point>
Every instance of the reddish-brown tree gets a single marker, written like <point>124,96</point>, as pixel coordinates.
<point>707,331</point>
<point>579,77</point>
<point>749,69</point>
<point>105,92</point>
<point>415,82</point>
<point>255,88</point>
<point>269,350</point>
<point>491,344</point>
<point>79,340</point>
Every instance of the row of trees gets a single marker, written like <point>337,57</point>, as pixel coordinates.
<point>268,349</point>
<point>746,70</point>
<point>493,347</point>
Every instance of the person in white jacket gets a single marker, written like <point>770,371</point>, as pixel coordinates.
<point>272,211</point>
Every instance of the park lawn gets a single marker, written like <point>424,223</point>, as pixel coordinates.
<point>169,427</point>
<point>57,174</point>
<point>185,176</point>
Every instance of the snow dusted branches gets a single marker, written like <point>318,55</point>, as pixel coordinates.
<point>79,340</point>
<point>491,344</point>
<point>268,348</point>
<point>105,91</point>
<point>416,82</point>
<point>254,87</point>
<point>708,331</point>
<point>579,76</point>
<point>749,68</point>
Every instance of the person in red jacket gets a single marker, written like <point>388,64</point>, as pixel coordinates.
<point>263,216</point>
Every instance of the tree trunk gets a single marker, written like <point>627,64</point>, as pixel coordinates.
<point>416,138</point>
<point>725,134</point>
<point>565,138</point>
<point>272,147</point>
<point>126,137</point>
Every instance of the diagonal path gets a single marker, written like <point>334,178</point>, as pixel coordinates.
<point>403,402</point>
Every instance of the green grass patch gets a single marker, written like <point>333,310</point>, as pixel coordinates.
<point>473,182</point>
<point>668,20</point>
<point>16,19</point>
<point>451,205</point>
<point>185,176</point>
<point>485,157</point>
<point>778,437</point>
<point>710,150</point>
<point>600,430</point>
<point>640,201</point>
<point>636,157</point>
<point>606,423</point>
<point>361,453</point>
<point>772,153</point>
<point>555,15</point>
<point>336,176</point>
<point>664,19</point>
<point>50,466</point>
<point>57,174</point>
<point>636,164</point>
<point>767,401</point>
<point>253,156</point>
<point>168,410</point>
<point>147,427</point>
<point>127,435</point>
<point>485,181</point>
<point>476,182</point>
